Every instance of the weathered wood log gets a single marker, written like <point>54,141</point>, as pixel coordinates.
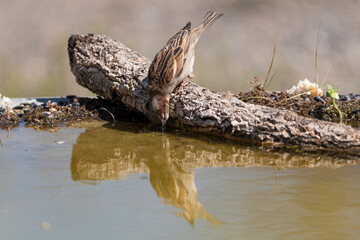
<point>113,71</point>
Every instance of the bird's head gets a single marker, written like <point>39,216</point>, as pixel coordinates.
<point>158,110</point>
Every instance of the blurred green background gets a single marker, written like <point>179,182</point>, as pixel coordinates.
<point>34,33</point>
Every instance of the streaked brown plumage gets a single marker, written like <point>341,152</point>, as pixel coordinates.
<point>172,66</point>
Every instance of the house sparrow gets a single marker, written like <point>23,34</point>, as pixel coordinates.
<point>172,66</point>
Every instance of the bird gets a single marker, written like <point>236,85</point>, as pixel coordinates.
<point>173,66</point>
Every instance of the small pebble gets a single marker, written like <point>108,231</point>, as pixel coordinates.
<point>18,107</point>
<point>46,225</point>
<point>343,98</point>
<point>70,98</point>
<point>62,103</point>
<point>75,105</point>
<point>46,115</point>
<point>34,105</point>
<point>353,96</point>
<point>307,98</point>
<point>319,99</point>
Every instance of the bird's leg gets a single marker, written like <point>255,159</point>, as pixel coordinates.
<point>181,85</point>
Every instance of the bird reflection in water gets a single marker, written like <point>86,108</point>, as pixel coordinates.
<point>177,186</point>
<point>105,155</point>
<point>112,153</point>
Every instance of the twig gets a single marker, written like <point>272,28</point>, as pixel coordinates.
<point>112,115</point>
<point>266,98</point>
<point>295,96</point>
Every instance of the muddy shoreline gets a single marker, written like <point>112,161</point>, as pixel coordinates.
<point>53,113</point>
<point>56,112</point>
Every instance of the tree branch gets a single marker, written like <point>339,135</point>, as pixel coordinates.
<point>115,72</point>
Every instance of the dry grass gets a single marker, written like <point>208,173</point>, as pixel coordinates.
<point>270,67</point>
<point>316,55</point>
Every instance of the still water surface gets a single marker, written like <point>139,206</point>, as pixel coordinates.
<point>125,181</point>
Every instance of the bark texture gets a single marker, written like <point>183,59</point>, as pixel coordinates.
<point>113,71</point>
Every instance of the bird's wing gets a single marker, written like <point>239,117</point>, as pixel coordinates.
<point>177,39</point>
<point>180,43</point>
<point>168,63</point>
<point>162,68</point>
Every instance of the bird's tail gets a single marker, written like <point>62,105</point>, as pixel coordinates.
<point>209,18</point>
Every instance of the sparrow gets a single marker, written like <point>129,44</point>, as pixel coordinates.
<point>172,66</point>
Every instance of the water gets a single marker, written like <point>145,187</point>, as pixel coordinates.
<point>127,182</point>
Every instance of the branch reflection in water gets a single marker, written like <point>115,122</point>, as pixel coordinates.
<point>112,153</point>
